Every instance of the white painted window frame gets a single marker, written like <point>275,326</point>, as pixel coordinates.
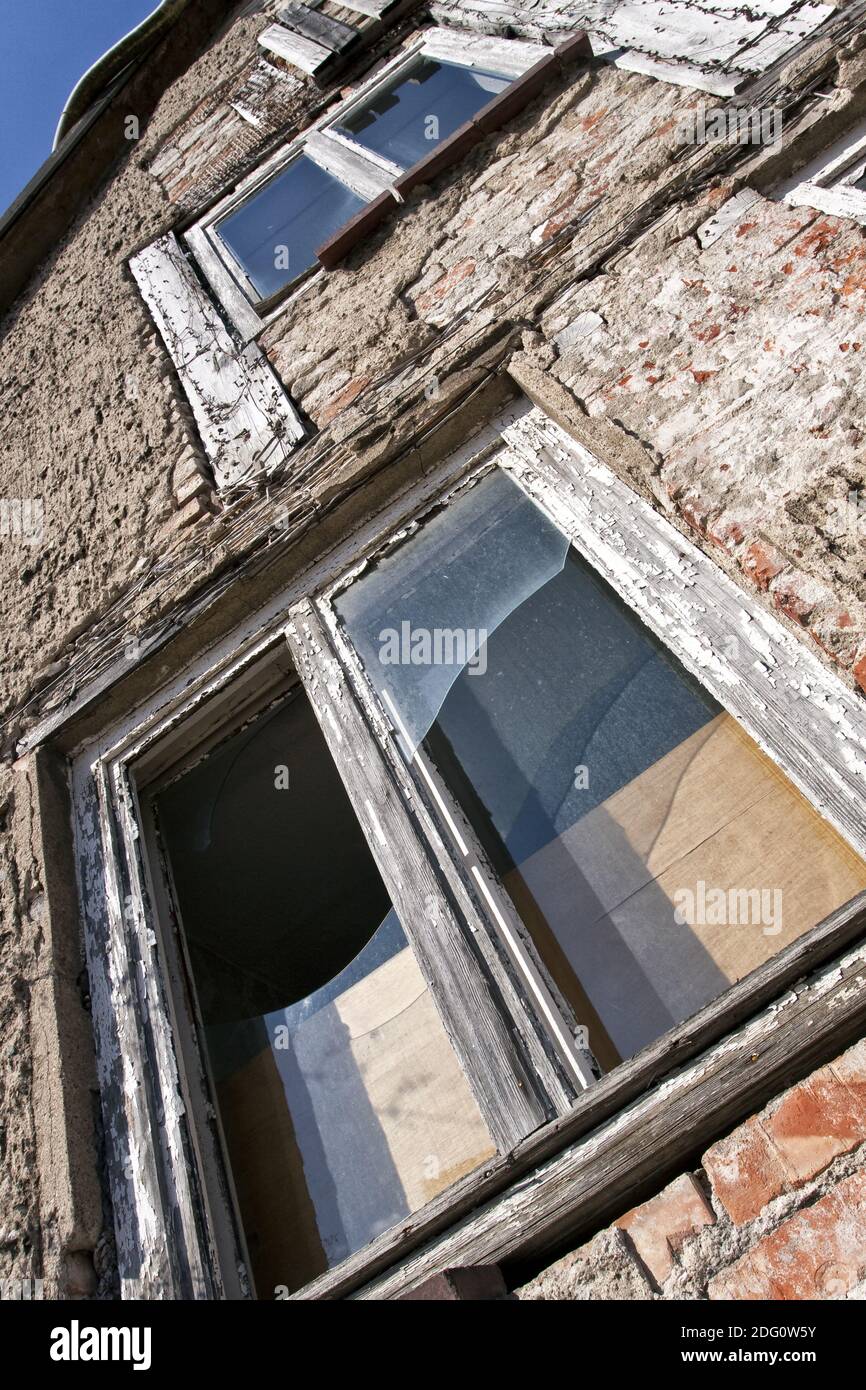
<point>604,521</point>
<point>367,174</point>
<point>825,183</point>
<point>174,1219</point>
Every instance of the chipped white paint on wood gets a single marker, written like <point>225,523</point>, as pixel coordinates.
<point>781,38</point>
<point>352,166</point>
<point>709,46</point>
<point>727,216</point>
<point>723,84</point>
<point>481,1037</point>
<point>373,8</point>
<point>507,56</point>
<point>232,298</point>
<point>294,48</point>
<point>265,83</point>
<point>838,201</point>
<point>245,418</point>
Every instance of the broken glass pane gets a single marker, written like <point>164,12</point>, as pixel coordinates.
<point>632,821</point>
<point>341,1101</point>
<point>424,104</point>
<point>426,612</point>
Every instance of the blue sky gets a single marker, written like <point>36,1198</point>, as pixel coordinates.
<point>45,46</point>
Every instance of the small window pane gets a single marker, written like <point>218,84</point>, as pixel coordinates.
<point>421,106</point>
<point>341,1101</point>
<point>275,233</point>
<point>654,852</point>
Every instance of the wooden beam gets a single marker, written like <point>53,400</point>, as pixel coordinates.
<point>320,28</point>
<point>503,1081</point>
<point>294,48</point>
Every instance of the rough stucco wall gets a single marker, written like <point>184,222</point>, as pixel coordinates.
<point>95,426</point>
<point>776,1211</point>
<point>94,423</point>
<point>94,430</point>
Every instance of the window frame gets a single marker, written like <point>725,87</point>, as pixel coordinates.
<point>564,481</point>
<point>361,170</point>
<point>174,1222</point>
<point>825,183</point>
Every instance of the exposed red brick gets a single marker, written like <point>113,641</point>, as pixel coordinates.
<point>818,1253</point>
<point>695,513</point>
<point>430,298</point>
<point>746,1172</point>
<point>343,398</point>
<point>725,533</point>
<point>815,1122</point>
<point>659,1227</point>
<point>795,604</point>
<point>762,562</point>
<point>859,672</point>
<point>851,1069</point>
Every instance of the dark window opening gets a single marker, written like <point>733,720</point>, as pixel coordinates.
<point>342,1105</point>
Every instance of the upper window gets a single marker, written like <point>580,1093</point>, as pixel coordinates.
<point>263,240</point>
<point>295,211</point>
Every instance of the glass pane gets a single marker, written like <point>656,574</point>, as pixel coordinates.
<point>634,824</point>
<point>275,233</point>
<point>424,104</point>
<point>342,1103</point>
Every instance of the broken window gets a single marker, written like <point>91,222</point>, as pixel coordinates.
<point>342,1105</point>
<point>501,835</point>
<point>654,854</point>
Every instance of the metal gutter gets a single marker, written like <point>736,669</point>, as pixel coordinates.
<point>133,45</point>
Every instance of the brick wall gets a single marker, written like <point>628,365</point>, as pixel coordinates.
<point>777,1210</point>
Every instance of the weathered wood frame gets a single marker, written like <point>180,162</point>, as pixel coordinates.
<point>247,423</point>
<point>826,182</point>
<point>360,169</point>
<point>175,1232</point>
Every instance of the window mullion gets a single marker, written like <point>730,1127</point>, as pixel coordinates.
<point>350,165</point>
<point>515,1092</point>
